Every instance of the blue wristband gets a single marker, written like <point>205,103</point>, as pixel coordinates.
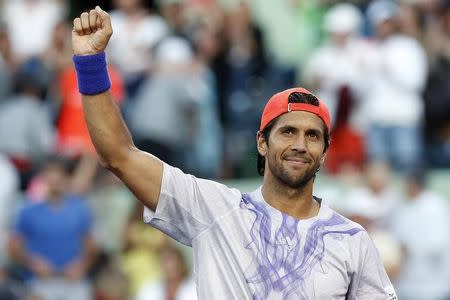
<point>92,73</point>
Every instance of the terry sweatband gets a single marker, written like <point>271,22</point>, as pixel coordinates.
<point>92,73</point>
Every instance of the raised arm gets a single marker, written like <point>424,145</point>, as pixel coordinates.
<point>140,171</point>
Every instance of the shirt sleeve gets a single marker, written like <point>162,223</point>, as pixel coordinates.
<point>370,280</point>
<point>188,205</point>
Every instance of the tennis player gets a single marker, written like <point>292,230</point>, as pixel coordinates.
<point>278,242</point>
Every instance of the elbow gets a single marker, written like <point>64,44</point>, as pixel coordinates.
<point>112,165</point>
<point>116,162</point>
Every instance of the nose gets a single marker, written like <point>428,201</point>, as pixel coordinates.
<point>299,144</point>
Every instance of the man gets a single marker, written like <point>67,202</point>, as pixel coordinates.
<point>397,76</point>
<point>278,242</point>
<point>53,239</point>
<point>426,270</point>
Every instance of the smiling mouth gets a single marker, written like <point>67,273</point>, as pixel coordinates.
<point>296,161</point>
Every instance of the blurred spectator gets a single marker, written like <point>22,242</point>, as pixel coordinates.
<point>136,32</point>
<point>29,137</point>
<point>30,24</point>
<point>422,225</point>
<point>72,133</point>
<point>8,188</point>
<point>175,111</point>
<point>52,239</point>
<point>394,103</point>
<point>376,195</point>
<point>5,64</point>
<point>345,50</point>
<point>370,200</point>
<point>58,55</point>
<point>176,283</point>
<point>292,29</point>
<point>110,223</point>
<point>174,12</point>
<point>411,19</point>
<point>437,91</point>
<point>112,284</point>
<point>211,47</point>
<point>362,211</point>
<point>139,260</point>
<point>246,87</point>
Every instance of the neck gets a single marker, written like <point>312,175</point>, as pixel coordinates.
<point>54,198</point>
<point>295,202</point>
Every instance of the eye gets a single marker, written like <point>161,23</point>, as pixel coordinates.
<point>288,131</point>
<point>313,135</point>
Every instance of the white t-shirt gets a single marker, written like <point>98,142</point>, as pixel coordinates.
<point>245,249</point>
<point>133,39</point>
<point>30,24</point>
<point>423,226</point>
<point>156,290</point>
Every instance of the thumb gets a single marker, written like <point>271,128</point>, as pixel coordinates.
<point>105,19</point>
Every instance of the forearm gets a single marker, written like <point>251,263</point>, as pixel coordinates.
<point>84,174</point>
<point>107,129</point>
<point>89,253</point>
<point>17,251</point>
<point>140,171</point>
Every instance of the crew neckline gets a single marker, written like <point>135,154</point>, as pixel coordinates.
<point>279,215</point>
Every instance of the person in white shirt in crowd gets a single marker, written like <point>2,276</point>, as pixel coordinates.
<point>136,32</point>
<point>362,211</point>
<point>180,85</point>
<point>30,24</point>
<point>27,134</point>
<point>422,225</point>
<point>378,194</point>
<point>341,62</point>
<point>394,105</point>
<point>176,283</point>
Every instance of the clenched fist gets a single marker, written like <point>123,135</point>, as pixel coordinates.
<point>91,32</point>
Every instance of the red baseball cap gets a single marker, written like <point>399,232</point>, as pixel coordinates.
<point>278,104</point>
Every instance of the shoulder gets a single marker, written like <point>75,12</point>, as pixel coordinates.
<point>33,206</point>
<point>340,224</point>
<point>30,211</point>
<point>176,178</point>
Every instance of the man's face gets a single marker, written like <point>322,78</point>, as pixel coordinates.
<point>294,150</point>
<point>56,178</point>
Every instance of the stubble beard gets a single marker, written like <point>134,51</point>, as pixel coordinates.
<point>293,181</point>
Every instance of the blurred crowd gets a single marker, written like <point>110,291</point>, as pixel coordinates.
<point>191,78</point>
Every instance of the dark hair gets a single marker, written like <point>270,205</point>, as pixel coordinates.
<point>61,162</point>
<point>295,97</point>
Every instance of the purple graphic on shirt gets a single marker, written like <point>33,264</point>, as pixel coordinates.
<point>281,264</point>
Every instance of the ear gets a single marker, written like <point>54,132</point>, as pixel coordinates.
<point>261,143</point>
<point>322,159</point>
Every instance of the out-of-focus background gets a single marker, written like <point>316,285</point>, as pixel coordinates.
<point>191,78</point>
